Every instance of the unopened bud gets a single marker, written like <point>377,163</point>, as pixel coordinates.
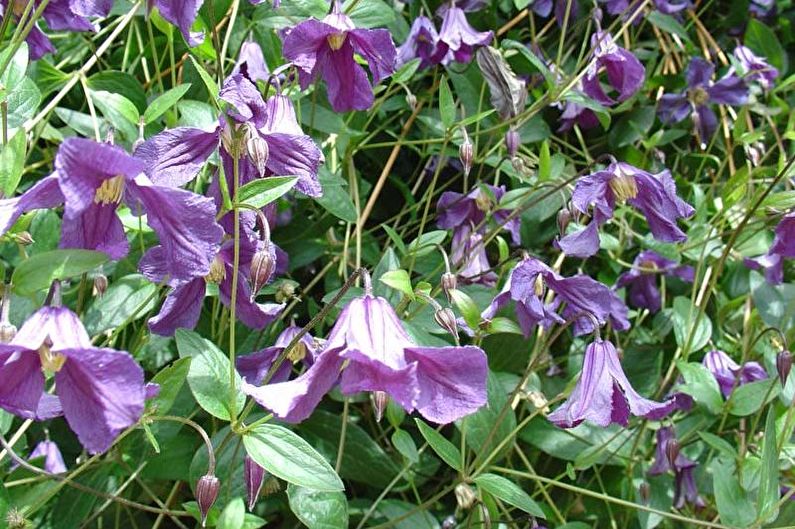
<point>380,399</point>
<point>783,366</point>
<point>564,218</point>
<point>7,332</point>
<point>465,496</point>
<point>110,136</point>
<point>258,151</point>
<point>263,264</point>
<point>206,494</point>
<point>645,492</point>
<point>485,516</point>
<point>24,238</point>
<point>254,475</point>
<point>411,99</point>
<point>445,318</point>
<point>512,142</point>
<point>449,283</point>
<point>466,153</point>
<point>271,486</point>
<point>449,522</point>
<point>100,285</point>
<point>286,291</point>
<point>228,142</point>
<point>672,449</point>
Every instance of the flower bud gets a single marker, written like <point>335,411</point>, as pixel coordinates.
<point>411,99</point>
<point>206,493</point>
<point>286,291</point>
<point>672,451</point>
<point>380,399</point>
<point>228,141</point>
<point>485,516</point>
<point>449,522</point>
<point>7,332</point>
<point>449,283</point>
<point>100,285</point>
<point>254,475</point>
<point>465,496</point>
<point>258,151</point>
<point>466,153</point>
<point>783,366</point>
<point>263,264</point>
<point>445,318</point>
<point>24,238</point>
<point>564,218</point>
<point>512,142</point>
<point>645,492</point>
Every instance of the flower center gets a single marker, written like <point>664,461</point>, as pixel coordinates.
<point>624,187</point>
<point>539,286</point>
<point>699,96</point>
<point>648,265</point>
<point>110,191</point>
<point>336,40</point>
<point>217,271</point>
<point>297,353</point>
<point>483,202</point>
<point>51,362</point>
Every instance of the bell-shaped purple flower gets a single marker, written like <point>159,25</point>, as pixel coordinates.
<point>603,395</point>
<point>543,8</point>
<point>754,68</point>
<point>326,48</point>
<point>729,373</point>
<point>685,490</point>
<point>457,39</point>
<point>100,391</point>
<point>421,43</point>
<point>624,72</point>
<point>783,247</point>
<point>253,367</point>
<point>583,299</point>
<point>701,92</point>
<point>641,279</point>
<point>597,194</point>
<point>251,62</point>
<point>368,350</point>
<point>53,460</point>
<point>174,157</point>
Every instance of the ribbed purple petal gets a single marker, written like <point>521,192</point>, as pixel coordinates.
<point>174,157</point>
<point>181,309</point>
<point>53,460</point>
<point>182,13</point>
<point>21,381</point>
<point>365,373</point>
<point>98,228</point>
<point>45,194</point>
<point>376,46</point>
<point>293,155</point>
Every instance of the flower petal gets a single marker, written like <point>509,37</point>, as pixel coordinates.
<point>98,228</point>
<point>45,194</point>
<point>21,381</point>
<point>181,309</point>
<point>365,373</point>
<point>174,157</point>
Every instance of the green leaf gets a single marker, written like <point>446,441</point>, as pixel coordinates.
<point>769,482</point>
<point>287,456</point>
<point>318,509</point>
<point>701,385</point>
<point>467,307</point>
<point>39,271</point>
<point>668,24</point>
<point>370,13</point>
<point>734,507</point>
<point>233,515</point>
<point>685,315</point>
<point>749,398</point>
<point>23,101</point>
<point>544,162</point>
<point>170,379</point>
<point>446,103</point>
<point>404,443</point>
<point>126,300</point>
<point>15,71</point>
<point>114,106</point>
<point>12,162</point>
<point>718,443</point>
<point>426,243</point>
<point>399,280</point>
<point>335,198</point>
<point>763,41</point>
<point>262,191</point>
<point>163,102</point>
<point>209,83</point>
<point>443,448</point>
<point>509,492</point>
<point>533,59</point>
<point>404,73</point>
<point>208,376</point>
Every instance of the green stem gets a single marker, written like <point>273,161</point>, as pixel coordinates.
<point>233,297</point>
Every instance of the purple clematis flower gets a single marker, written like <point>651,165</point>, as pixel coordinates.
<point>253,367</point>
<point>641,279</point>
<point>603,395</point>
<point>469,257</point>
<point>583,299</point>
<point>183,13</point>
<point>701,91</point>
<point>252,59</point>
<point>728,372</point>
<point>624,71</point>
<point>783,247</point>
<point>457,39</point>
<point>628,8</point>
<point>543,8</point>
<point>421,43</point>
<point>53,460</point>
<point>271,142</point>
<point>100,391</point>
<point>755,68</point>
<point>326,48</point>
<point>368,350</point>
<point>654,195</point>
<point>685,490</point>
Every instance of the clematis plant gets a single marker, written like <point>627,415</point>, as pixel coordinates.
<point>729,373</point>
<point>458,39</point>
<point>668,457</point>
<point>624,71</point>
<point>783,247</point>
<point>325,48</point>
<point>369,350</point>
<point>641,281</point>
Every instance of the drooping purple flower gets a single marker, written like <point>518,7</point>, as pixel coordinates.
<point>654,195</point>
<point>543,8</point>
<point>175,156</point>
<point>624,72</point>
<point>421,43</point>
<point>469,258</point>
<point>253,367</point>
<point>326,48</point>
<point>603,395</point>
<point>729,373</point>
<point>254,476</point>
<point>53,460</point>
<point>783,247</point>
<point>368,350</point>
<point>183,13</point>
<point>576,114</point>
<point>685,490</point>
<point>755,68</point>
<point>641,279</point>
<point>455,210</point>
<point>100,391</point>
<point>701,92</point>
<point>583,299</point>
<point>252,59</point>
<point>762,9</point>
<point>628,8</point>
<point>457,39</point>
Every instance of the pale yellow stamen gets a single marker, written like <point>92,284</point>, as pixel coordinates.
<point>624,187</point>
<point>336,40</point>
<point>51,362</point>
<point>297,353</point>
<point>111,191</point>
<point>483,201</point>
<point>217,271</point>
<point>539,286</point>
<point>699,96</point>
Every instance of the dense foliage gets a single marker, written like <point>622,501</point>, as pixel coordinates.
<point>522,263</point>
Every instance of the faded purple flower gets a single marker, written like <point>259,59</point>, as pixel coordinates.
<point>457,39</point>
<point>701,92</point>
<point>253,367</point>
<point>100,391</point>
<point>326,48</point>
<point>641,280</point>
<point>421,43</point>
<point>53,460</point>
<point>581,297</point>
<point>251,62</point>
<point>685,490</point>
<point>368,340</point>
<point>603,395</point>
<point>729,373</point>
<point>624,72</point>
<point>597,194</point>
<point>755,68</point>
